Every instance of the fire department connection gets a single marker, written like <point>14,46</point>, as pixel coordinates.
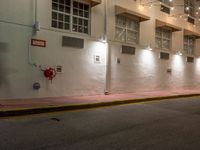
<point>48,72</point>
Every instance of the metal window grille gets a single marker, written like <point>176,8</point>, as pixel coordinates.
<point>128,50</point>
<point>190,59</point>
<point>164,55</point>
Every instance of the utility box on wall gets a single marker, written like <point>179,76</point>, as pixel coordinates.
<point>97,59</point>
<point>59,69</point>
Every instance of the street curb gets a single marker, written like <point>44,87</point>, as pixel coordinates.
<point>30,111</point>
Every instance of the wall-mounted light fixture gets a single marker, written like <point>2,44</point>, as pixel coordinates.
<point>179,53</point>
<point>148,47</point>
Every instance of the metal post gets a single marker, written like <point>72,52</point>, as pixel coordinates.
<point>107,49</point>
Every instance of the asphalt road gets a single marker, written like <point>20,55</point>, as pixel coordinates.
<point>159,125</point>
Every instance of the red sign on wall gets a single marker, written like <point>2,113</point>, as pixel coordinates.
<point>39,43</point>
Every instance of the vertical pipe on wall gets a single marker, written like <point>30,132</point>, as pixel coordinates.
<point>36,25</point>
<point>35,11</point>
<point>107,71</point>
<point>30,62</point>
<point>105,21</point>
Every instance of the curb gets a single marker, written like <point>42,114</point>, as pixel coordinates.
<point>31,111</point>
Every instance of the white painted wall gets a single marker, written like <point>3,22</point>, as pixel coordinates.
<point>82,76</point>
<point>144,71</point>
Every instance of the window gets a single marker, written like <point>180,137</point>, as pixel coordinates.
<point>163,38</point>
<point>71,15</point>
<point>126,30</point>
<point>191,20</point>
<point>189,44</point>
<point>189,7</point>
<point>165,9</point>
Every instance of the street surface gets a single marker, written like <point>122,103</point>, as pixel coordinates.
<point>159,125</point>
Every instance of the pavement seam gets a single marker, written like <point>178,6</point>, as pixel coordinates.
<point>30,111</point>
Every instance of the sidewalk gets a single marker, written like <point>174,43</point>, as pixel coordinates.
<point>41,105</point>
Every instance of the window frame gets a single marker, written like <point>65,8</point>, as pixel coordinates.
<point>72,16</point>
<point>127,29</point>
<point>162,38</point>
<point>187,45</point>
<point>191,5</point>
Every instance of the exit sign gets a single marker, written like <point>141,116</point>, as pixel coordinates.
<point>37,42</point>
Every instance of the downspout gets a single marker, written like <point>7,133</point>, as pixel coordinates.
<point>107,71</point>
<point>105,22</point>
<point>35,11</point>
<point>35,26</point>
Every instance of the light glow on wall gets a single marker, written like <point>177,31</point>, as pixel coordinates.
<point>147,58</point>
<point>98,48</point>
<point>197,65</point>
<point>141,7</point>
<point>177,62</point>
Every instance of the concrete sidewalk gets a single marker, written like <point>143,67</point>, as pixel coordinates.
<point>41,105</point>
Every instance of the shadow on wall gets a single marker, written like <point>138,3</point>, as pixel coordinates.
<point>4,72</point>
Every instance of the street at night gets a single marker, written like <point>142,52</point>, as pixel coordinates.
<point>99,74</point>
<point>158,125</point>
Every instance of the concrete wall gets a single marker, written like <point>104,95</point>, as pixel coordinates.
<point>144,71</point>
<point>81,75</point>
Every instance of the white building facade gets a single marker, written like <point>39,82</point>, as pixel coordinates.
<point>97,46</point>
